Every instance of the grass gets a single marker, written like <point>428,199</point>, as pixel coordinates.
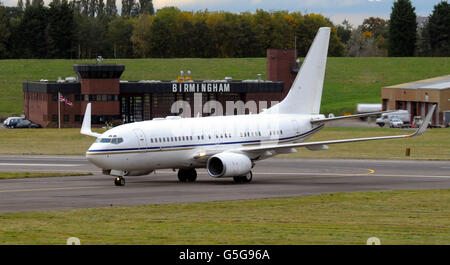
<point>44,142</point>
<point>21,175</point>
<point>348,81</point>
<point>338,218</point>
<point>433,145</point>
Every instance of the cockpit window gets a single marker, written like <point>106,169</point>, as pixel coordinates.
<point>116,140</point>
<point>113,140</point>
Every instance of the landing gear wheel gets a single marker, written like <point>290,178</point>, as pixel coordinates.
<point>187,175</point>
<point>119,181</point>
<point>244,179</point>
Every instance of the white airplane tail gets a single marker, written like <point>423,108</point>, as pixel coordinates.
<point>305,94</point>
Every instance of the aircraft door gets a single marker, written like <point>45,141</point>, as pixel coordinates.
<point>142,142</point>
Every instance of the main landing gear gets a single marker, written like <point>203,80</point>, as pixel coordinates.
<point>187,174</point>
<point>119,181</point>
<point>244,179</point>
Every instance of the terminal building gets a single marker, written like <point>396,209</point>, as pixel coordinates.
<point>119,101</point>
<point>419,96</point>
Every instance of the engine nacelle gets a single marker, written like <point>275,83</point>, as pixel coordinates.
<point>227,164</point>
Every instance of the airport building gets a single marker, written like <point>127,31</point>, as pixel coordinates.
<point>121,101</point>
<point>419,96</point>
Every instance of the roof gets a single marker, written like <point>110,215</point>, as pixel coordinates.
<point>438,83</point>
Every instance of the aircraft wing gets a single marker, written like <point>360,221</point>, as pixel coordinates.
<point>262,147</point>
<point>350,116</point>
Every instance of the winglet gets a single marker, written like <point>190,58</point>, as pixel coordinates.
<point>86,126</point>
<point>425,123</point>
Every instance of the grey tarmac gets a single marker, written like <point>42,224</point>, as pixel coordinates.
<point>272,178</point>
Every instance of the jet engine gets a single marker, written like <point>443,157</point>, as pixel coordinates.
<point>228,164</point>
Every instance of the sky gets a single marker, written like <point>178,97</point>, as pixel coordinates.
<point>337,10</point>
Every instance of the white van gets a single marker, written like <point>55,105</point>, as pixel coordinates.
<point>402,115</point>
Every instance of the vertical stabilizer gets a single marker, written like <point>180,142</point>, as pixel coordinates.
<point>305,94</point>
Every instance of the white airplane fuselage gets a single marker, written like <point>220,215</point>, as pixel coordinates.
<point>172,142</point>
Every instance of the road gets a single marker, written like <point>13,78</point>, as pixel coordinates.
<point>271,178</point>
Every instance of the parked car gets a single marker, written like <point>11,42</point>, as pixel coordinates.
<point>26,124</point>
<point>395,122</point>
<point>11,121</point>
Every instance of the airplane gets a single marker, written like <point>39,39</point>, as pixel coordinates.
<point>227,146</point>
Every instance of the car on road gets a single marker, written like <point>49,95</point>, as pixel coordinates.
<point>11,121</point>
<point>26,124</point>
<point>395,122</point>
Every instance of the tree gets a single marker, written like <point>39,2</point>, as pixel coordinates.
<point>36,3</point>
<point>119,35</point>
<point>439,29</point>
<point>60,29</point>
<point>377,26</point>
<point>92,8</point>
<point>4,33</point>
<point>163,33</point>
<point>20,4</point>
<point>101,9</point>
<point>146,6</point>
<point>344,31</point>
<point>141,36</point>
<point>32,32</point>
<point>402,29</point>
<point>128,7</point>
<point>111,8</point>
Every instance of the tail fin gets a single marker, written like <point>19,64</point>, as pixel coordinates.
<point>306,92</point>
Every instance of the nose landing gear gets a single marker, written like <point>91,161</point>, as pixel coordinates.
<point>119,181</point>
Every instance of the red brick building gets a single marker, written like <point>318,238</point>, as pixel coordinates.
<point>125,101</point>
